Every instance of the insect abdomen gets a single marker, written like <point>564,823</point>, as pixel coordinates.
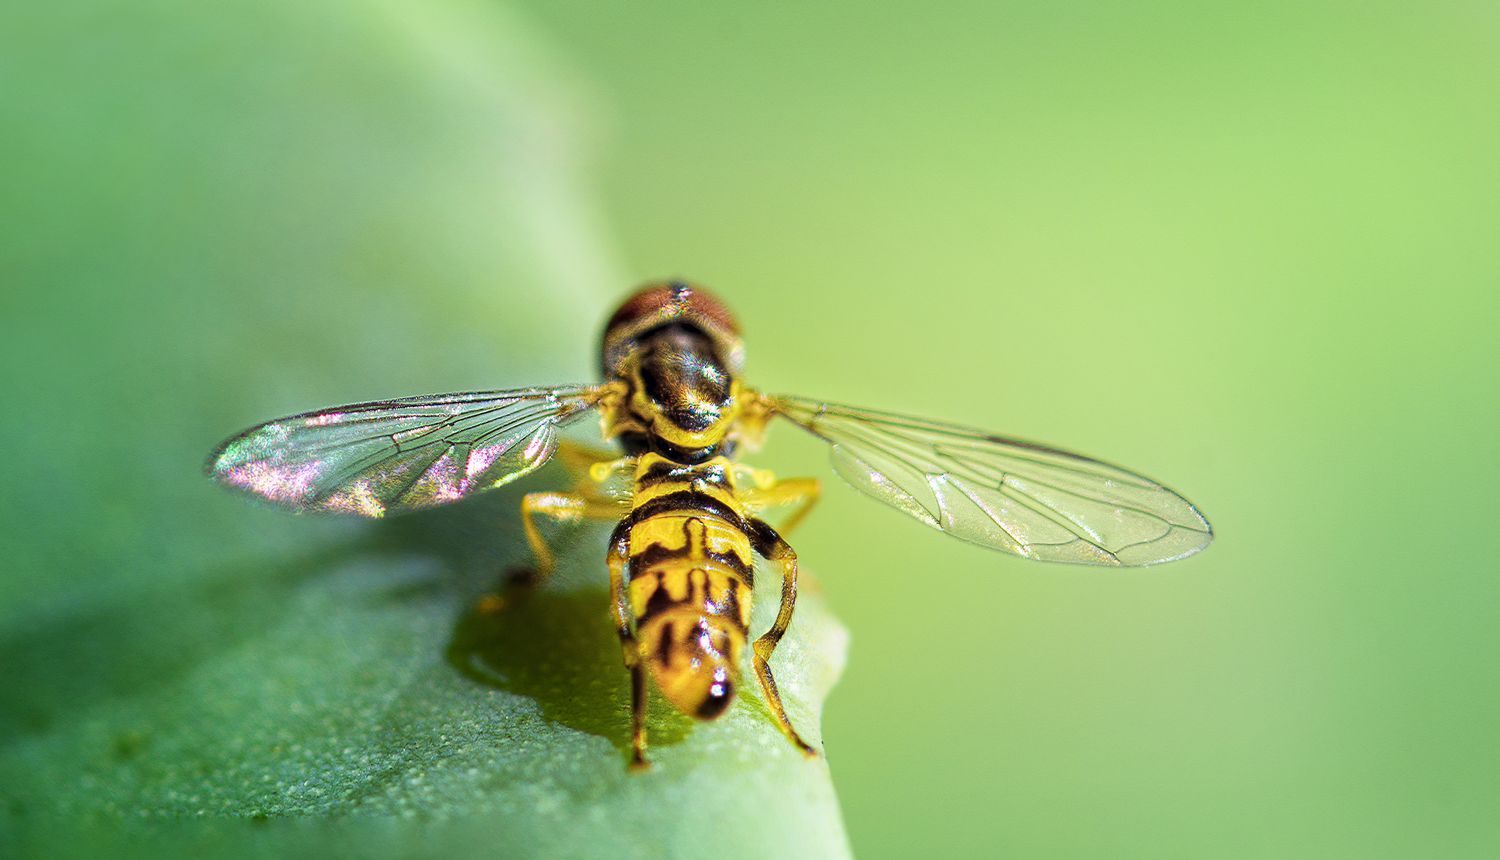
<point>690,583</point>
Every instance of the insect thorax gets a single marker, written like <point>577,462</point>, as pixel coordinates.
<point>678,399</point>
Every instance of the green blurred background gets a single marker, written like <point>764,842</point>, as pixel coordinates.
<point>1248,249</point>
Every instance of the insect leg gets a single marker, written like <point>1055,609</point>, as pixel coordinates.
<point>771,493</point>
<point>580,460</point>
<point>771,546</point>
<point>618,560</point>
<point>562,507</point>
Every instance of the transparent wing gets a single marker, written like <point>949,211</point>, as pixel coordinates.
<point>1006,494</point>
<point>400,455</point>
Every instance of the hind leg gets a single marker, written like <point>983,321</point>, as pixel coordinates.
<point>619,561</point>
<point>770,545</point>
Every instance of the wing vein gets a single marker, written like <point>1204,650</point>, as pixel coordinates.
<point>310,461</point>
<point>1022,493</point>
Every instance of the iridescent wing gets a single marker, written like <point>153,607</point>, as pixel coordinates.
<point>1005,494</point>
<point>391,456</point>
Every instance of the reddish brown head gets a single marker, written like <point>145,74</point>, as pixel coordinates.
<point>661,304</point>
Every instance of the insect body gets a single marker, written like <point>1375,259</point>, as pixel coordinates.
<point>681,558</point>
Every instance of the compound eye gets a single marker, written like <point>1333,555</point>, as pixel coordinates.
<point>675,300</point>
<point>666,304</point>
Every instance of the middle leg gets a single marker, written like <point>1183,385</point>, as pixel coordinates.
<point>560,507</point>
<point>588,500</point>
<point>799,493</point>
<point>563,508</point>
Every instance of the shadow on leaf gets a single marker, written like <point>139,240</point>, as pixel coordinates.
<point>560,650</point>
<point>556,645</point>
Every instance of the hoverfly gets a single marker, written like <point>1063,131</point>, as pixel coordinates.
<point>688,513</point>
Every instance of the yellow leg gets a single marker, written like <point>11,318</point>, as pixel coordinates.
<point>618,560</point>
<point>562,507</point>
<point>580,460</point>
<point>771,493</point>
<point>599,475</point>
<point>591,467</point>
<point>771,546</point>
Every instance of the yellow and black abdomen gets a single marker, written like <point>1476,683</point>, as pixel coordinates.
<point>690,580</point>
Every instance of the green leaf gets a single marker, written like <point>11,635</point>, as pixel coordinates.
<point>243,211</point>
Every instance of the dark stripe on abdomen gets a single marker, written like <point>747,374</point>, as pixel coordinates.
<point>656,554</point>
<point>688,503</point>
